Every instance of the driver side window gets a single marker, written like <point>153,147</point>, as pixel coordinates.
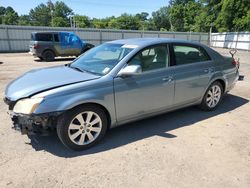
<point>151,58</point>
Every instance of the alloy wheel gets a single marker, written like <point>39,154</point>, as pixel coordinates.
<point>85,128</point>
<point>213,96</point>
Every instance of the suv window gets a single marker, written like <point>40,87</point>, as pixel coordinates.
<point>44,37</point>
<point>56,38</point>
<point>151,58</point>
<point>189,54</point>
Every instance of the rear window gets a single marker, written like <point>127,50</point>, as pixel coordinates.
<point>189,54</point>
<point>41,37</point>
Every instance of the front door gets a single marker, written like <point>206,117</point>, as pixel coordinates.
<point>70,44</point>
<point>151,91</point>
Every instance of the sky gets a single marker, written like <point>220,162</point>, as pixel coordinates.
<point>93,8</point>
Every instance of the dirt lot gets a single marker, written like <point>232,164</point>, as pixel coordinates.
<point>186,148</point>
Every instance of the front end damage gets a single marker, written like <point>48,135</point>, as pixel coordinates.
<point>33,124</point>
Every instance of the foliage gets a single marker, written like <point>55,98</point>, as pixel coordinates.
<point>82,21</point>
<point>161,18</point>
<point>233,15</point>
<point>179,15</point>
<point>40,15</point>
<point>8,16</point>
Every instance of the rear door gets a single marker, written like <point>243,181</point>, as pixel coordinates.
<point>41,42</point>
<point>193,69</point>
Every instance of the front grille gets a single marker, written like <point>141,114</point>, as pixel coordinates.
<point>10,103</point>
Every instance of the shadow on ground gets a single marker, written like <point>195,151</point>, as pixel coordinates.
<point>132,132</point>
<point>57,59</point>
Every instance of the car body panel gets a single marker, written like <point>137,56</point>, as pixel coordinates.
<point>137,93</point>
<point>96,91</point>
<point>127,99</point>
<point>190,81</point>
<point>39,80</point>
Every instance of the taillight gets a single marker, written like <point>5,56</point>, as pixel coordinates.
<point>236,62</point>
<point>36,46</point>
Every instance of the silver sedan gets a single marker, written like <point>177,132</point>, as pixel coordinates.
<point>116,83</point>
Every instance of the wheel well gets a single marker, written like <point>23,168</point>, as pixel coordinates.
<point>99,106</point>
<point>222,83</point>
<point>49,50</point>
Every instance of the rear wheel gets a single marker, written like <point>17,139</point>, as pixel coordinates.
<point>82,127</point>
<point>212,97</point>
<point>48,55</point>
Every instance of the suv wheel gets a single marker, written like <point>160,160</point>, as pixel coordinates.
<point>82,127</point>
<point>212,97</point>
<point>48,55</point>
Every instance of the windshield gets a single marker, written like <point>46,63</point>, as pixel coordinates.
<point>100,60</point>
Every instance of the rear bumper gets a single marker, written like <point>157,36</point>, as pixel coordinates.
<point>42,124</point>
<point>35,52</point>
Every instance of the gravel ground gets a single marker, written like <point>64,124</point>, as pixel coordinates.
<point>185,148</point>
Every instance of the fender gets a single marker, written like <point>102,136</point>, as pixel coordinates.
<point>64,101</point>
<point>216,76</point>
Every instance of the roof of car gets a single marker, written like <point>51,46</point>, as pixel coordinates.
<point>52,32</point>
<point>151,41</point>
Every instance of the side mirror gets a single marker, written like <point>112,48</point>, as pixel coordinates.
<point>130,70</point>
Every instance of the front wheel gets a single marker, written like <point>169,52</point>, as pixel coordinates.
<point>82,127</point>
<point>212,97</point>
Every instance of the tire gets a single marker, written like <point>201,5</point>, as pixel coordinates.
<point>82,127</point>
<point>41,58</point>
<point>212,97</point>
<point>48,55</point>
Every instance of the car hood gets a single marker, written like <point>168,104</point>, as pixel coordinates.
<point>40,80</point>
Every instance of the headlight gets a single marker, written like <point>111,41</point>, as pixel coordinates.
<point>27,106</point>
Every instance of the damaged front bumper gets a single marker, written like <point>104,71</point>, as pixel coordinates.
<point>42,124</point>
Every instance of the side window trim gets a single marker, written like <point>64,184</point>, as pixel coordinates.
<point>173,58</point>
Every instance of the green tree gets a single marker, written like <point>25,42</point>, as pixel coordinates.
<point>100,23</point>
<point>233,15</point>
<point>10,16</point>
<point>24,20</point>
<point>176,15</point>
<point>82,21</point>
<point>161,19</point>
<point>60,22</point>
<point>2,12</point>
<point>40,15</point>
<point>143,16</point>
<point>243,23</point>
<point>191,10</point>
<point>125,21</point>
<point>62,11</point>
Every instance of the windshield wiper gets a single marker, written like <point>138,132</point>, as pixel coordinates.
<point>76,68</point>
<point>82,70</point>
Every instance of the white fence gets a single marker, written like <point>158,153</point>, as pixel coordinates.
<point>238,40</point>
<point>16,38</point>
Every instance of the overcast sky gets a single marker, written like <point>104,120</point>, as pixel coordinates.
<point>93,8</point>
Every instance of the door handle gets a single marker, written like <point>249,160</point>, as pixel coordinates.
<point>206,70</point>
<point>168,79</point>
<point>209,70</point>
